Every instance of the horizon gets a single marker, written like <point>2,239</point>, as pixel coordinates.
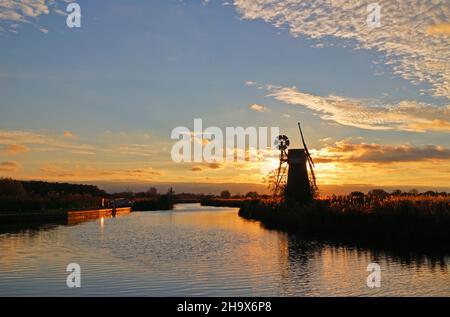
<point>237,189</point>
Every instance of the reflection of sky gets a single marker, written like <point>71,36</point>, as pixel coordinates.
<point>200,252</point>
<point>134,71</point>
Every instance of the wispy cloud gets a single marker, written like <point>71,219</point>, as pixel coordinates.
<point>107,144</point>
<point>13,149</point>
<point>9,167</point>
<point>63,171</point>
<point>414,35</point>
<point>368,114</point>
<point>200,168</point>
<point>346,151</point>
<point>41,141</point>
<point>258,108</point>
<point>145,150</point>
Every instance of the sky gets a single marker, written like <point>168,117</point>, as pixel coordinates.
<point>98,103</point>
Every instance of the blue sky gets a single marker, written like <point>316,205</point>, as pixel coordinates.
<point>145,67</point>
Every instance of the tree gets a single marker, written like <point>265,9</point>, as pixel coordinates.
<point>357,194</point>
<point>397,192</point>
<point>379,193</point>
<point>225,194</point>
<point>152,192</point>
<point>10,187</point>
<point>252,195</point>
<point>170,193</point>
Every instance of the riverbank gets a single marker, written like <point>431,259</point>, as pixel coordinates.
<point>411,224</point>
<point>162,203</point>
<point>80,215</point>
<point>69,216</point>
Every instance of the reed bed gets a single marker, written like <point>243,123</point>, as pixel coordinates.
<point>398,221</point>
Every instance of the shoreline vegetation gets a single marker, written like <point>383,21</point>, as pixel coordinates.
<point>399,221</point>
<point>38,201</point>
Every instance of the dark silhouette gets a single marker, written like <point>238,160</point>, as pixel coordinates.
<point>294,180</point>
<point>415,221</point>
<point>225,194</point>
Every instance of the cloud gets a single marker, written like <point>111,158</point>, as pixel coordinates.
<point>113,144</point>
<point>68,134</point>
<point>259,108</point>
<point>43,142</point>
<point>198,168</point>
<point>406,37</point>
<point>345,151</point>
<point>14,12</point>
<point>52,171</point>
<point>368,114</point>
<point>214,165</point>
<point>55,170</point>
<point>145,150</point>
<point>438,29</point>
<point>9,167</point>
<point>15,149</point>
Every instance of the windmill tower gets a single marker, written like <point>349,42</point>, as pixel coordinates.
<point>296,172</point>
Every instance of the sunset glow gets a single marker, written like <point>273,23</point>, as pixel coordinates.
<point>375,116</point>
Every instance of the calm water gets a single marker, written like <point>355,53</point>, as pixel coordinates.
<point>201,251</point>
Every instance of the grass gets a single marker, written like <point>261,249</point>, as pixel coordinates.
<point>416,222</point>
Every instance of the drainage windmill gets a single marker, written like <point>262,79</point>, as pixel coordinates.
<point>280,177</point>
<point>292,176</point>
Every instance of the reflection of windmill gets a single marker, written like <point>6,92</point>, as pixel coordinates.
<point>292,175</point>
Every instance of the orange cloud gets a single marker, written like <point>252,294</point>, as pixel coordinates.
<point>9,167</point>
<point>214,165</point>
<point>437,29</point>
<point>43,142</point>
<point>79,172</point>
<point>198,168</point>
<point>15,149</point>
<point>68,134</point>
<point>343,151</point>
<point>258,108</point>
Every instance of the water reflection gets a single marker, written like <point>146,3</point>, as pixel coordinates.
<point>28,228</point>
<point>328,269</point>
<point>195,251</point>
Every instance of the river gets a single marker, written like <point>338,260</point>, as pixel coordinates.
<point>202,251</point>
